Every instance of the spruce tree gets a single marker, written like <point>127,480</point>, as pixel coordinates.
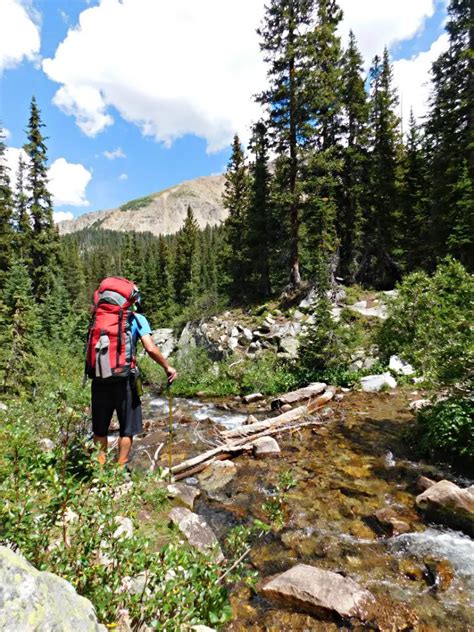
<point>450,130</point>
<point>236,200</point>
<point>45,239</point>
<point>19,326</point>
<point>413,231</point>
<point>6,215</point>
<point>323,162</point>
<point>22,221</point>
<point>260,231</point>
<point>378,267</point>
<point>355,122</point>
<point>72,271</point>
<point>284,42</point>
<point>187,261</point>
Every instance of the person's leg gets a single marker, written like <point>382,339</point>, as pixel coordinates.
<point>102,405</point>
<point>129,414</point>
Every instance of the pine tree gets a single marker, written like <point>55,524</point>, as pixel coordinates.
<point>450,130</point>
<point>413,231</point>
<point>55,311</point>
<point>378,267</point>
<point>22,221</point>
<point>18,329</point>
<point>6,215</point>
<point>236,200</point>
<point>45,239</point>
<point>284,42</point>
<point>323,162</point>
<point>187,261</point>
<point>260,231</point>
<point>72,271</point>
<point>355,122</point>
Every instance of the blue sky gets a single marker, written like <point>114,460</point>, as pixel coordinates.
<point>138,95</point>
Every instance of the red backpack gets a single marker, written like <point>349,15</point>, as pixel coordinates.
<point>110,347</point>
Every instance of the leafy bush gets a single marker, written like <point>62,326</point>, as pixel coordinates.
<point>429,324</point>
<point>447,428</point>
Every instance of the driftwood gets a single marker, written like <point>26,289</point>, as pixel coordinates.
<point>238,440</point>
<point>301,395</point>
<point>281,420</point>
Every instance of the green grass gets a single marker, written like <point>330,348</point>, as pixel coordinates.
<point>134,205</point>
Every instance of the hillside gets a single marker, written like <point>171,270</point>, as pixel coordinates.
<point>160,213</point>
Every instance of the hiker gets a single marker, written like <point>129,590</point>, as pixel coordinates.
<point>116,325</point>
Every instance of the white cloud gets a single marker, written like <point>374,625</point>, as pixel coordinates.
<point>377,24</point>
<point>61,216</point>
<point>172,68</point>
<point>115,153</point>
<point>176,68</point>
<point>19,35</point>
<point>412,78</point>
<point>68,182</point>
<point>123,176</point>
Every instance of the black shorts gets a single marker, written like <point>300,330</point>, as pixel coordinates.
<point>119,396</point>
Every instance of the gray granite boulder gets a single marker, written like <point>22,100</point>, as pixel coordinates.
<point>197,532</point>
<point>37,601</point>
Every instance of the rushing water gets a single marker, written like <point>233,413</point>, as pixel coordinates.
<point>344,472</point>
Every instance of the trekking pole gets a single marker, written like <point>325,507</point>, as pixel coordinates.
<point>170,431</point>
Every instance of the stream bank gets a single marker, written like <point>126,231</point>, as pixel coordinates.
<point>345,472</point>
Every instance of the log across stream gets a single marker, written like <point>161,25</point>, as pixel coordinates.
<point>346,468</point>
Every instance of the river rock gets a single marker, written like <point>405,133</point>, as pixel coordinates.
<point>253,397</point>
<point>285,408</point>
<point>3,407</point>
<point>390,522</point>
<point>33,600</point>
<point>197,532</point>
<point>318,591</point>
<point>184,493</point>
<point>374,383</point>
<point>423,483</point>
<point>449,504</point>
<point>233,343</point>
<point>217,475</point>
<point>251,419</point>
<point>265,446</point>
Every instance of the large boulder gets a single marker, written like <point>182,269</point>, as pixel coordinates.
<point>265,446</point>
<point>319,592</point>
<point>40,601</point>
<point>197,532</point>
<point>165,340</point>
<point>375,383</point>
<point>185,494</point>
<point>449,504</point>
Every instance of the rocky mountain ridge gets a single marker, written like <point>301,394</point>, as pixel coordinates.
<point>160,213</point>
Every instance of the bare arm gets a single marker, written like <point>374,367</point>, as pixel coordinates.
<point>156,355</point>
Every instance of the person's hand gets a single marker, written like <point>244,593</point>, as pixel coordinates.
<point>171,374</point>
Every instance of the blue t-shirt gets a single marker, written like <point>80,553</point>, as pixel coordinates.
<point>140,326</point>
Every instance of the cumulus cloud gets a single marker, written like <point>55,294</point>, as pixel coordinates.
<point>61,216</point>
<point>176,68</point>
<point>115,153</point>
<point>172,68</point>
<point>67,181</point>
<point>378,24</point>
<point>412,78</point>
<point>123,176</point>
<point>19,35</point>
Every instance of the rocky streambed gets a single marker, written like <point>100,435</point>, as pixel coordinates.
<point>352,511</point>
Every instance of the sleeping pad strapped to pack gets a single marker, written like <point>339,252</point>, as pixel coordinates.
<point>110,347</point>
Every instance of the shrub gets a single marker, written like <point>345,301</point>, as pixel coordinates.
<point>429,324</point>
<point>447,428</point>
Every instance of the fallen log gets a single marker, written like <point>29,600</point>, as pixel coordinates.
<point>281,420</point>
<point>208,455</point>
<point>300,395</point>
